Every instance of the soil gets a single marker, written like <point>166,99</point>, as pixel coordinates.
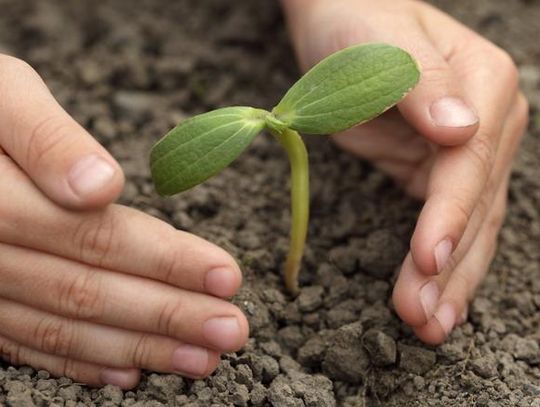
<point>129,73</point>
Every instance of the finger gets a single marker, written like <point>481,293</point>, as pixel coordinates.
<point>80,292</point>
<point>440,107</point>
<point>81,372</point>
<point>64,161</point>
<point>415,296</point>
<point>418,297</point>
<point>116,238</point>
<point>458,286</point>
<point>460,174</point>
<point>103,345</point>
<point>512,134</point>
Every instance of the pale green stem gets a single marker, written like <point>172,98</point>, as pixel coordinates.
<point>298,159</point>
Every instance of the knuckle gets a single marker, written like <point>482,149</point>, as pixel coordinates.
<point>169,257</point>
<point>495,63</point>
<point>461,210</point>
<point>168,321</point>
<point>6,207</point>
<point>69,368</point>
<point>50,134</point>
<point>10,352</point>
<point>507,66</point>
<point>11,66</point>
<point>482,152</point>
<point>434,73</point>
<point>522,115</point>
<point>518,121</point>
<point>81,296</point>
<point>141,352</point>
<point>484,203</point>
<point>496,220</point>
<point>54,336</point>
<point>523,107</point>
<point>95,238</point>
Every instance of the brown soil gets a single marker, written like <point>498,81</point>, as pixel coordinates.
<point>128,73</point>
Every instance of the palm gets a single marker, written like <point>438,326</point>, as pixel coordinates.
<point>396,148</point>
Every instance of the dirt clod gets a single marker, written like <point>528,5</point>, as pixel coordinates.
<point>281,394</point>
<point>315,390</point>
<point>310,298</point>
<point>527,349</point>
<point>485,366</point>
<point>164,387</point>
<point>414,359</point>
<point>381,347</point>
<point>312,352</point>
<point>382,263</point>
<point>19,395</point>
<point>346,358</point>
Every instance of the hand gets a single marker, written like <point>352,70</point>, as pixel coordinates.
<point>451,142</point>
<point>89,290</point>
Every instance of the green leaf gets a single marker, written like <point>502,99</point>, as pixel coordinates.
<point>203,145</point>
<point>349,87</point>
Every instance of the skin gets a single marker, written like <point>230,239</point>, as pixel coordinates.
<point>450,143</point>
<point>89,289</point>
<point>74,266</point>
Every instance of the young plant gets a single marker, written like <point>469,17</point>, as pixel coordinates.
<point>348,88</point>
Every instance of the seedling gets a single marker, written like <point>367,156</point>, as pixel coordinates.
<point>348,88</point>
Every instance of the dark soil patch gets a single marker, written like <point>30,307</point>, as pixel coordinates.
<point>128,73</point>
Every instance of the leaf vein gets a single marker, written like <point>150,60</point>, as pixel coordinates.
<point>344,88</point>
<point>207,153</point>
<point>187,142</point>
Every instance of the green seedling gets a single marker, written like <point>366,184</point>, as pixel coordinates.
<point>348,88</point>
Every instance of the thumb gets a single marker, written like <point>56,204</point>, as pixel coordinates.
<point>62,159</point>
<point>438,107</point>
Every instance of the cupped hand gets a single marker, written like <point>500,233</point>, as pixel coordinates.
<point>450,142</point>
<point>90,290</point>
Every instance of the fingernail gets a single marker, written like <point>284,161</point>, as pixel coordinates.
<point>220,282</point>
<point>429,297</point>
<point>117,377</point>
<point>222,333</point>
<point>446,316</point>
<point>452,112</point>
<point>442,253</point>
<point>89,175</point>
<point>190,360</point>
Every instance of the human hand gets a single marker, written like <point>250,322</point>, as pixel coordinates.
<point>89,290</point>
<point>451,142</point>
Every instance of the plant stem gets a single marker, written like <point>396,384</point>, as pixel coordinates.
<point>298,159</point>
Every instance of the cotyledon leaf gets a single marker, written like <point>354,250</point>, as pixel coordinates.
<point>349,87</point>
<point>203,145</point>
